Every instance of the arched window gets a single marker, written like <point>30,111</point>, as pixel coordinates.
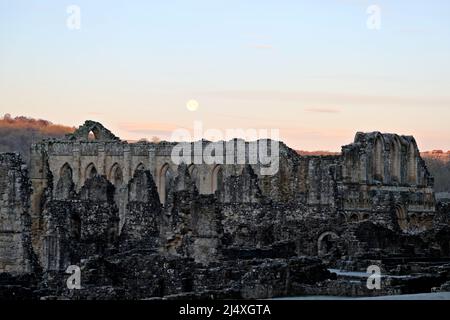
<point>412,164</point>
<point>216,178</point>
<point>378,161</point>
<point>165,178</point>
<point>91,171</point>
<point>354,218</point>
<point>116,175</point>
<point>91,136</point>
<point>395,158</point>
<point>65,185</point>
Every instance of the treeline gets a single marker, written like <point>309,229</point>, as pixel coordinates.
<point>18,133</point>
<point>440,169</point>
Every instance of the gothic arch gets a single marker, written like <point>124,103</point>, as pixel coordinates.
<point>216,178</point>
<point>378,159</point>
<point>116,175</point>
<point>195,176</point>
<point>91,136</point>
<point>395,160</point>
<point>354,217</point>
<point>65,184</point>
<point>326,242</point>
<point>90,171</point>
<point>165,177</point>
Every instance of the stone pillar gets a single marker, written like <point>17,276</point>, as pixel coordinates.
<point>127,163</point>
<point>77,174</point>
<point>363,168</point>
<point>101,159</point>
<point>152,165</point>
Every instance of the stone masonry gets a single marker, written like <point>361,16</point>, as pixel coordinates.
<point>121,210</point>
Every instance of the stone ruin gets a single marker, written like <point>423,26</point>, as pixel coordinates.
<point>139,226</point>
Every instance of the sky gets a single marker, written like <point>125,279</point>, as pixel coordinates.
<point>318,71</point>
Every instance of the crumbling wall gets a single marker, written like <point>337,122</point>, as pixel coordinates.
<point>386,181</point>
<point>16,253</point>
<point>104,204</point>
<point>81,226</point>
<point>143,218</point>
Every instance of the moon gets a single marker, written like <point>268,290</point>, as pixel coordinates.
<point>192,105</point>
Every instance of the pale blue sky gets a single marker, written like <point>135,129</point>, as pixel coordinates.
<point>310,68</point>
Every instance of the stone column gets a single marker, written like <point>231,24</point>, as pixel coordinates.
<point>101,159</point>
<point>152,161</point>
<point>77,175</point>
<point>126,163</point>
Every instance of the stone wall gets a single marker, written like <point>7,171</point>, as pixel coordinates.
<point>110,207</point>
<point>379,178</point>
<point>16,255</point>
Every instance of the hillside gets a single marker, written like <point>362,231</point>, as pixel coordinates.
<point>439,165</point>
<point>17,134</point>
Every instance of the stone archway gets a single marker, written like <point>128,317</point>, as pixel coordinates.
<point>354,218</point>
<point>195,176</point>
<point>116,175</point>
<point>326,243</point>
<point>65,184</point>
<point>90,171</point>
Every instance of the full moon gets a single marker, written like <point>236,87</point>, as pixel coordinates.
<point>192,105</point>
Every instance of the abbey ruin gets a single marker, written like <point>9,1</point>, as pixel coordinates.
<point>140,226</point>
